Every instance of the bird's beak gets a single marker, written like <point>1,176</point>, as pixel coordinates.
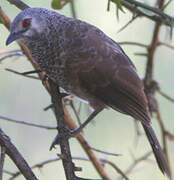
<point>12,37</point>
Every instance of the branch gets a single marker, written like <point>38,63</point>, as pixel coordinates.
<point>158,15</point>
<point>132,43</point>
<point>73,11</point>
<point>17,158</point>
<point>21,74</point>
<point>27,123</point>
<point>21,5</point>
<point>2,158</point>
<point>116,168</point>
<point>137,161</point>
<point>167,45</point>
<point>105,152</point>
<point>42,164</point>
<point>11,54</point>
<point>62,130</point>
<point>128,23</point>
<point>48,161</point>
<point>169,135</point>
<point>163,131</point>
<point>165,95</point>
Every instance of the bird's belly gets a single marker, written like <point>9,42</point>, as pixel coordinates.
<point>70,83</point>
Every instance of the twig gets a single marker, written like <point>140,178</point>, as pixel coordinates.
<point>21,74</point>
<point>165,5</point>
<point>52,160</point>
<point>164,140</point>
<point>71,103</point>
<point>165,44</point>
<point>108,5</point>
<point>158,16</point>
<point>80,107</point>
<point>18,53</point>
<point>2,158</point>
<point>136,161</point>
<point>9,173</point>
<point>72,2</point>
<point>42,164</point>
<point>6,20</point>
<point>169,135</point>
<point>50,106</point>
<point>105,152</point>
<point>27,123</point>
<point>138,132</point>
<point>165,95</point>
<point>133,43</point>
<point>2,52</point>
<point>150,62</point>
<point>18,3</point>
<point>116,168</point>
<point>13,153</point>
<point>141,54</point>
<point>128,23</point>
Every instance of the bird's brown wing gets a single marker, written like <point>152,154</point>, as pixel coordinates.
<point>115,82</point>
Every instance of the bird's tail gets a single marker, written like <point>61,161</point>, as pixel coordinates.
<point>158,152</point>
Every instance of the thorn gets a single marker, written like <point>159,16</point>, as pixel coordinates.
<point>48,107</point>
<point>77,168</point>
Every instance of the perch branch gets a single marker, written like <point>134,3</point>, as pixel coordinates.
<point>17,158</point>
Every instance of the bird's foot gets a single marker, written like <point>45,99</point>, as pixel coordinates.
<point>66,134</point>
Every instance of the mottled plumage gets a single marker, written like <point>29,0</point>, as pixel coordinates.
<point>87,63</point>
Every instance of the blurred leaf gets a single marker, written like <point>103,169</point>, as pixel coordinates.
<point>1,20</point>
<point>58,4</point>
<point>117,2</point>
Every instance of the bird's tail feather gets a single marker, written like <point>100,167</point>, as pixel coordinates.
<point>158,152</point>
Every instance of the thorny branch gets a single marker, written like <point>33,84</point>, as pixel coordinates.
<point>153,13</point>
<point>149,84</point>
<point>49,161</point>
<point>62,126</point>
<point>2,158</point>
<point>17,158</point>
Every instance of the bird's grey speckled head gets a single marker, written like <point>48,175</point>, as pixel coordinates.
<point>30,23</point>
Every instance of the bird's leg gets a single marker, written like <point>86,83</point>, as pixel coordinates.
<point>73,133</point>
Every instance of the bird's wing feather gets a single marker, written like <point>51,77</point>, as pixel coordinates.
<point>105,71</point>
<point>116,83</point>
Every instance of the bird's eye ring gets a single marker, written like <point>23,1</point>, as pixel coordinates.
<point>26,22</point>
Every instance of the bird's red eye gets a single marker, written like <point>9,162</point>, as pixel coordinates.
<point>26,23</point>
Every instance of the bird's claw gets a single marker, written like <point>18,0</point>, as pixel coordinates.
<point>67,134</point>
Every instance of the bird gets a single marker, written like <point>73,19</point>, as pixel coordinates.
<point>85,62</point>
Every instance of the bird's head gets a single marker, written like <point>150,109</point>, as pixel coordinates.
<point>27,25</point>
